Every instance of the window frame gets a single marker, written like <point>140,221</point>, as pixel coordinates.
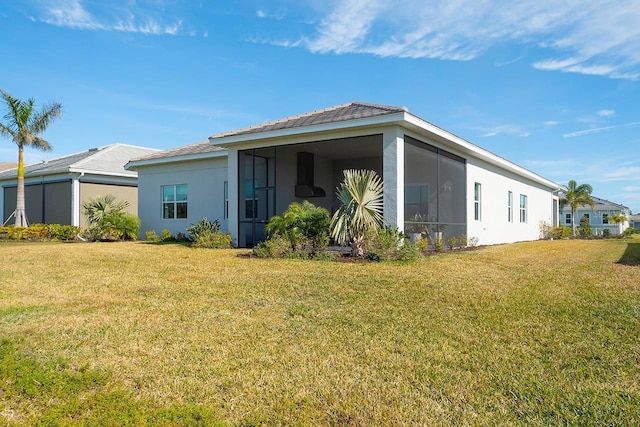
<point>477,201</point>
<point>523,208</point>
<point>179,207</point>
<point>509,206</point>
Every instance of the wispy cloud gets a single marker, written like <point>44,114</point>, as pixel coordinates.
<point>599,129</point>
<point>623,173</point>
<point>597,38</point>
<point>505,130</point>
<point>551,123</point>
<point>106,17</point>
<point>606,113</point>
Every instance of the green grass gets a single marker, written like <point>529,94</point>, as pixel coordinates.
<point>540,333</point>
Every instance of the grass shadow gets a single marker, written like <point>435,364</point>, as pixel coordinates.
<point>631,254</point>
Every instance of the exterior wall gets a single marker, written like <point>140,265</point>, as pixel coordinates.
<point>89,190</point>
<point>205,180</point>
<point>493,226</point>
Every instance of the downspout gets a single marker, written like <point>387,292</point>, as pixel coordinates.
<point>75,200</point>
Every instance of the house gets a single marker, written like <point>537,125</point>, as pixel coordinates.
<point>634,221</point>
<point>55,189</point>
<point>7,165</point>
<point>599,216</point>
<point>434,180</point>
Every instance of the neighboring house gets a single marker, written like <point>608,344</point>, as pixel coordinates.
<point>433,179</point>
<point>634,221</point>
<point>7,165</point>
<point>55,189</point>
<point>598,216</point>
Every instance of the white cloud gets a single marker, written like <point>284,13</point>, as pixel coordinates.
<point>596,38</point>
<point>623,173</point>
<point>551,123</point>
<point>260,14</point>
<point>606,113</point>
<point>600,129</point>
<point>506,130</point>
<point>74,14</point>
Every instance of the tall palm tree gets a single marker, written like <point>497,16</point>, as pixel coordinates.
<point>575,196</point>
<point>23,124</point>
<point>361,212</point>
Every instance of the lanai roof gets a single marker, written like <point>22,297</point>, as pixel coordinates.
<point>339,113</point>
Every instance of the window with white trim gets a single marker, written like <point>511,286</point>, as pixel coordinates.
<point>477,200</point>
<point>523,208</point>
<point>226,200</point>
<point>174,201</point>
<point>510,206</point>
<point>567,219</point>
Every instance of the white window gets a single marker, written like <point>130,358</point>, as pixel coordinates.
<point>174,201</point>
<point>510,206</point>
<point>477,198</point>
<point>523,208</point>
<point>226,200</point>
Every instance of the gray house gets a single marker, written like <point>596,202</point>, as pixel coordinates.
<point>598,216</point>
<point>55,189</point>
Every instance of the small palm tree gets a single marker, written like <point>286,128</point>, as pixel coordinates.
<point>23,124</point>
<point>575,196</point>
<point>361,212</point>
<point>99,207</point>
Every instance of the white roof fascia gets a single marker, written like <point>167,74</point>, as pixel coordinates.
<point>132,165</point>
<point>478,152</point>
<point>73,170</point>
<point>316,129</point>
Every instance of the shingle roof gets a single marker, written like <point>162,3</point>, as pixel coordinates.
<point>600,204</point>
<point>201,147</point>
<point>7,165</point>
<point>109,159</point>
<point>339,113</point>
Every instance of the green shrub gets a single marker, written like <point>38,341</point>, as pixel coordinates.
<point>438,243</point>
<point>151,236</point>
<point>166,234</point>
<point>204,226</point>
<point>390,244</point>
<point>422,243</point>
<point>63,232</point>
<point>212,240</point>
<point>275,247</point>
<point>584,229</point>
<point>629,231</point>
<point>462,241</point>
<point>91,234</point>
<point>305,225</point>
<point>606,233</point>
<point>561,232</point>
<point>119,225</point>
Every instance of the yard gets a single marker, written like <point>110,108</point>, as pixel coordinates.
<point>532,333</point>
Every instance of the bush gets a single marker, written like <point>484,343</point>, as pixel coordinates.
<point>204,226</point>
<point>584,229</point>
<point>606,233</point>
<point>166,234</point>
<point>422,243</point>
<point>119,225</point>
<point>212,240</point>
<point>91,234</point>
<point>473,242</point>
<point>326,256</point>
<point>62,232</point>
<point>546,230</point>
<point>390,244</point>
<point>305,225</point>
<point>629,231</point>
<point>561,232</point>
<point>275,247</point>
<point>151,236</point>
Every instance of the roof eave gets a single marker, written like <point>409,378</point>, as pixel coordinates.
<point>134,164</point>
<point>384,119</point>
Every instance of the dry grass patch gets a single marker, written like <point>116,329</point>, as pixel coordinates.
<point>525,334</point>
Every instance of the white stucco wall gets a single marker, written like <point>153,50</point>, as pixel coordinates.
<point>205,180</point>
<point>493,226</point>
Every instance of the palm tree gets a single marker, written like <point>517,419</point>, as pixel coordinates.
<point>361,212</point>
<point>23,124</point>
<point>576,195</point>
<point>99,207</point>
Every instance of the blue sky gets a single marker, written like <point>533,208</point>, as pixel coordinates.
<point>553,86</point>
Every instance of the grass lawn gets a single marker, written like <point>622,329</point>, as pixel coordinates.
<point>539,333</point>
